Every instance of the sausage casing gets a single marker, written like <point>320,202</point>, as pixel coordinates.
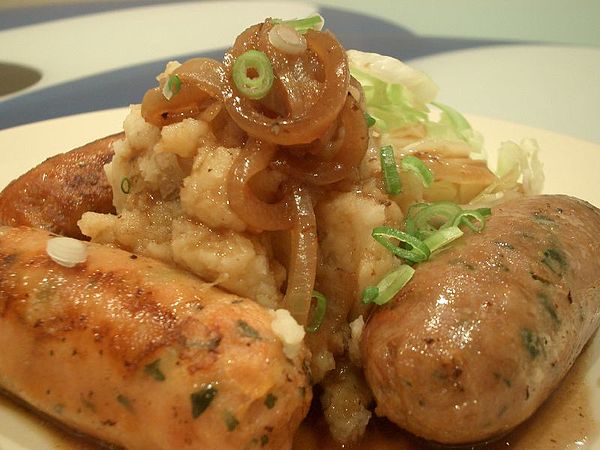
<point>485,330</point>
<point>135,353</point>
<point>55,194</point>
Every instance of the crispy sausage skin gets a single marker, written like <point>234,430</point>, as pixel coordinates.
<point>55,194</point>
<point>486,330</point>
<point>138,354</point>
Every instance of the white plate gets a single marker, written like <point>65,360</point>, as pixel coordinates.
<point>558,91</point>
<point>570,167</point>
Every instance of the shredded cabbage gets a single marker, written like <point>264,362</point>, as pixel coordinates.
<point>398,95</point>
<point>401,99</point>
<point>519,171</point>
<point>523,162</point>
<point>454,126</point>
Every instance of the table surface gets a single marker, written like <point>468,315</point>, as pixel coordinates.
<point>535,62</point>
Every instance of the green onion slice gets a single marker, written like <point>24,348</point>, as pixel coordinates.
<point>125,185</point>
<point>409,222</point>
<point>472,219</point>
<point>172,87</point>
<point>413,164</point>
<point>369,119</point>
<point>417,252</point>
<point>315,22</point>
<point>485,212</point>
<point>393,185</point>
<point>320,310</point>
<point>253,74</point>
<point>442,238</point>
<point>390,285</point>
<point>369,294</point>
<point>423,220</point>
<point>429,219</point>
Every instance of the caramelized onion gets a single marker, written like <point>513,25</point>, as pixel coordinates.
<point>306,116</point>
<point>458,170</point>
<point>258,214</point>
<point>303,259</point>
<point>313,169</point>
<point>308,126</point>
<point>226,131</point>
<point>201,85</point>
<point>287,40</point>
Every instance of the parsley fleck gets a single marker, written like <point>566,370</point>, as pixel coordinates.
<point>202,399</point>
<point>247,330</point>
<point>125,401</point>
<point>555,260</point>
<point>231,421</point>
<point>550,307</point>
<point>270,400</point>
<point>532,342</point>
<point>154,371</point>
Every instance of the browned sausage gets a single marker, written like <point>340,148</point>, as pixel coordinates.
<point>136,353</point>
<point>485,331</point>
<point>55,194</point>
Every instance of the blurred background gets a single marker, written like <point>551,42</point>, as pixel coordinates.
<point>534,62</point>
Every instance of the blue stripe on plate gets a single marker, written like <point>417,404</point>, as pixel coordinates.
<point>372,34</point>
<point>107,90</point>
<point>31,15</point>
<point>127,85</point>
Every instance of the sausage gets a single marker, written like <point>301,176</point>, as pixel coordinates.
<point>484,331</point>
<point>138,354</point>
<point>55,194</point>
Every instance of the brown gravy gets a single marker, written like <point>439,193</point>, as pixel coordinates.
<point>564,421</point>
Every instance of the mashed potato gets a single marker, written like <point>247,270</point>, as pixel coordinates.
<point>171,200</point>
<point>170,192</point>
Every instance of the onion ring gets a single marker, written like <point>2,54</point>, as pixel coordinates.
<point>312,169</point>
<point>201,85</point>
<point>256,213</point>
<point>303,259</point>
<point>303,125</point>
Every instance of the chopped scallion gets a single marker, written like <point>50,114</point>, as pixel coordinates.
<point>413,164</point>
<point>253,74</point>
<point>390,285</point>
<point>319,314</point>
<point>429,219</point>
<point>171,87</point>
<point>369,119</point>
<point>472,219</point>
<point>485,212</point>
<point>370,293</point>
<point>125,185</point>
<point>428,228</point>
<point>442,238</point>
<point>393,185</point>
<point>418,251</point>
<point>315,22</point>
<point>410,225</point>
